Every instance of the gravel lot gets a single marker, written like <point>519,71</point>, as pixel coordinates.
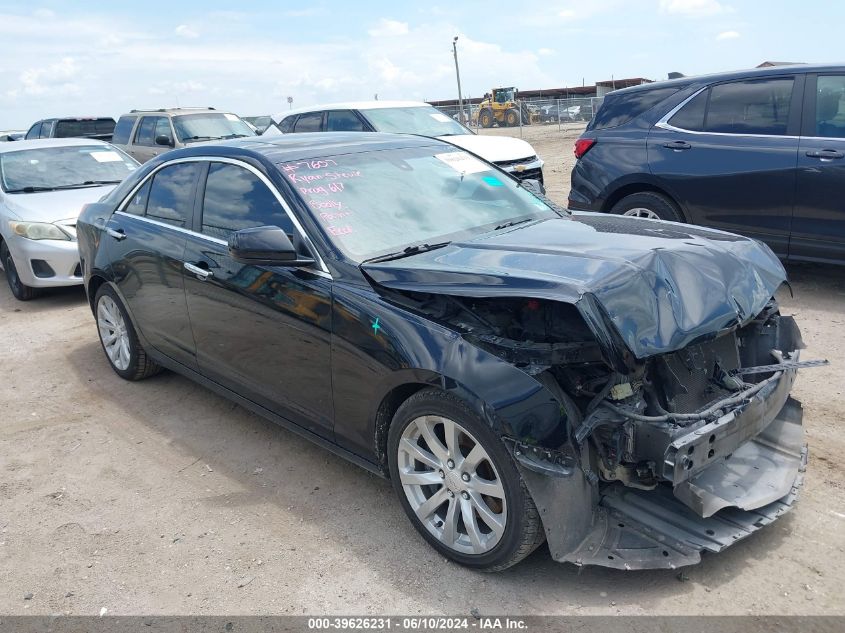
<point>161,497</point>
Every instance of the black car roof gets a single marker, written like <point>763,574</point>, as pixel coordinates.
<point>281,148</point>
<point>750,73</point>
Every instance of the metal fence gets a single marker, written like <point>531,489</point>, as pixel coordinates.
<point>537,111</point>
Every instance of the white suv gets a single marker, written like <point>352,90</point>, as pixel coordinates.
<point>513,155</point>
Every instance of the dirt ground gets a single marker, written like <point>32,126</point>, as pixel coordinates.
<point>161,497</point>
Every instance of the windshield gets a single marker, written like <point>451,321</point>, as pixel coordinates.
<point>423,120</point>
<point>210,126</point>
<point>375,203</point>
<point>46,168</point>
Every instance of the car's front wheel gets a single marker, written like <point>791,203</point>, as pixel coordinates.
<point>458,484</point>
<point>648,204</point>
<point>119,339</point>
<point>19,289</point>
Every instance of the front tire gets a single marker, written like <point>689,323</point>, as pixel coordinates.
<point>119,339</point>
<point>512,118</point>
<point>19,289</point>
<point>458,484</point>
<point>649,205</point>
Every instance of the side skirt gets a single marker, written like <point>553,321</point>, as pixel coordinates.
<point>177,367</point>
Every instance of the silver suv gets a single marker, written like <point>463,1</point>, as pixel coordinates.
<point>144,134</point>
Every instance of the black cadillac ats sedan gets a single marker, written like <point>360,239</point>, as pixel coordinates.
<point>614,386</point>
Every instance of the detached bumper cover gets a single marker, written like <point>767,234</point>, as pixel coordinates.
<point>649,529</point>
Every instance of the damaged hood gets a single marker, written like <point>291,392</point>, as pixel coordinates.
<point>656,286</point>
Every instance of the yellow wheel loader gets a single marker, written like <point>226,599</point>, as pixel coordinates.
<point>500,106</point>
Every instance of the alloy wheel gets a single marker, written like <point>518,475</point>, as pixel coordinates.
<point>113,332</point>
<point>642,212</point>
<point>452,485</point>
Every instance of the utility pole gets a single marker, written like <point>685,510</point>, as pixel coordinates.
<point>458,75</point>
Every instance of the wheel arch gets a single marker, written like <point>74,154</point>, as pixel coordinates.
<point>628,189</point>
<point>91,288</point>
<point>532,407</point>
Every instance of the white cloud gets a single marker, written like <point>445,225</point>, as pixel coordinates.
<point>54,78</point>
<point>388,28</point>
<point>545,52</point>
<point>183,30</point>
<point>694,8</point>
<point>727,35</point>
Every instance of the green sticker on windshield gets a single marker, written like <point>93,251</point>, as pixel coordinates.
<point>492,181</point>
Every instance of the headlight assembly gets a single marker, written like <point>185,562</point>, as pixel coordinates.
<point>39,231</point>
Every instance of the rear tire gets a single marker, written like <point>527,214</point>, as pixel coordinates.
<point>650,205</point>
<point>19,289</point>
<point>459,485</point>
<point>119,339</point>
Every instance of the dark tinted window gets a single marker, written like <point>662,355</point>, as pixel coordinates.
<point>90,127</point>
<point>691,116</point>
<point>830,106</point>
<point>308,122</point>
<point>343,121</point>
<point>749,107</point>
<point>123,129</point>
<point>171,197</point>
<point>34,131</point>
<point>619,109</point>
<point>146,131</point>
<point>287,124</point>
<point>47,129</point>
<point>237,199</point>
<point>137,205</point>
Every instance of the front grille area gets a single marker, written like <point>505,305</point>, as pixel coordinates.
<point>519,161</point>
<point>691,375</point>
<point>535,174</point>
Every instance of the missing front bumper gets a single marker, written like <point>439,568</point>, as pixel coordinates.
<point>652,529</point>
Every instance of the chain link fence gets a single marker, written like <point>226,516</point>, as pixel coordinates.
<point>536,111</point>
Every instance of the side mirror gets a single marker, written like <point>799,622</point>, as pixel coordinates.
<point>163,139</point>
<point>534,186</point>
<point>265,246</point>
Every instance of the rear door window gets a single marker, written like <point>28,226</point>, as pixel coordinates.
<point>830,106</point>
<point>310,122</point>
<point>343,121</point>
<point>123,130</point>
<point>171,197</point>
<point>619,109</point>
<point>691,116</point>
<point>749,107</point>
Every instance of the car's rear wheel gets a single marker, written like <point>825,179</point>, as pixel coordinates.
<point>19,289</point>
<point>119,339</point>
<point>458,484</point>
<point>650,205</point>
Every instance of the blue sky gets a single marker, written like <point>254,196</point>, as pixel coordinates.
<point>74,58</point>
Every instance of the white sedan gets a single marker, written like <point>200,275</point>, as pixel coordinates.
<point>43,186</point>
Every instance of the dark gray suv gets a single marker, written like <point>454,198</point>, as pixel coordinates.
<point>757,152</point>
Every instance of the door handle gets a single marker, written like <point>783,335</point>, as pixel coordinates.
<point>116,234</point>
<point>199,271</point>
<point>677,145</point>
<point>825,154</point>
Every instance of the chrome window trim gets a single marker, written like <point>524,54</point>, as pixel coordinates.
<point>663,123</point>
<point>322,269</point>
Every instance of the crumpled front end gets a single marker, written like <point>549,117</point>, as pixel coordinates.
<point>690,452</point>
